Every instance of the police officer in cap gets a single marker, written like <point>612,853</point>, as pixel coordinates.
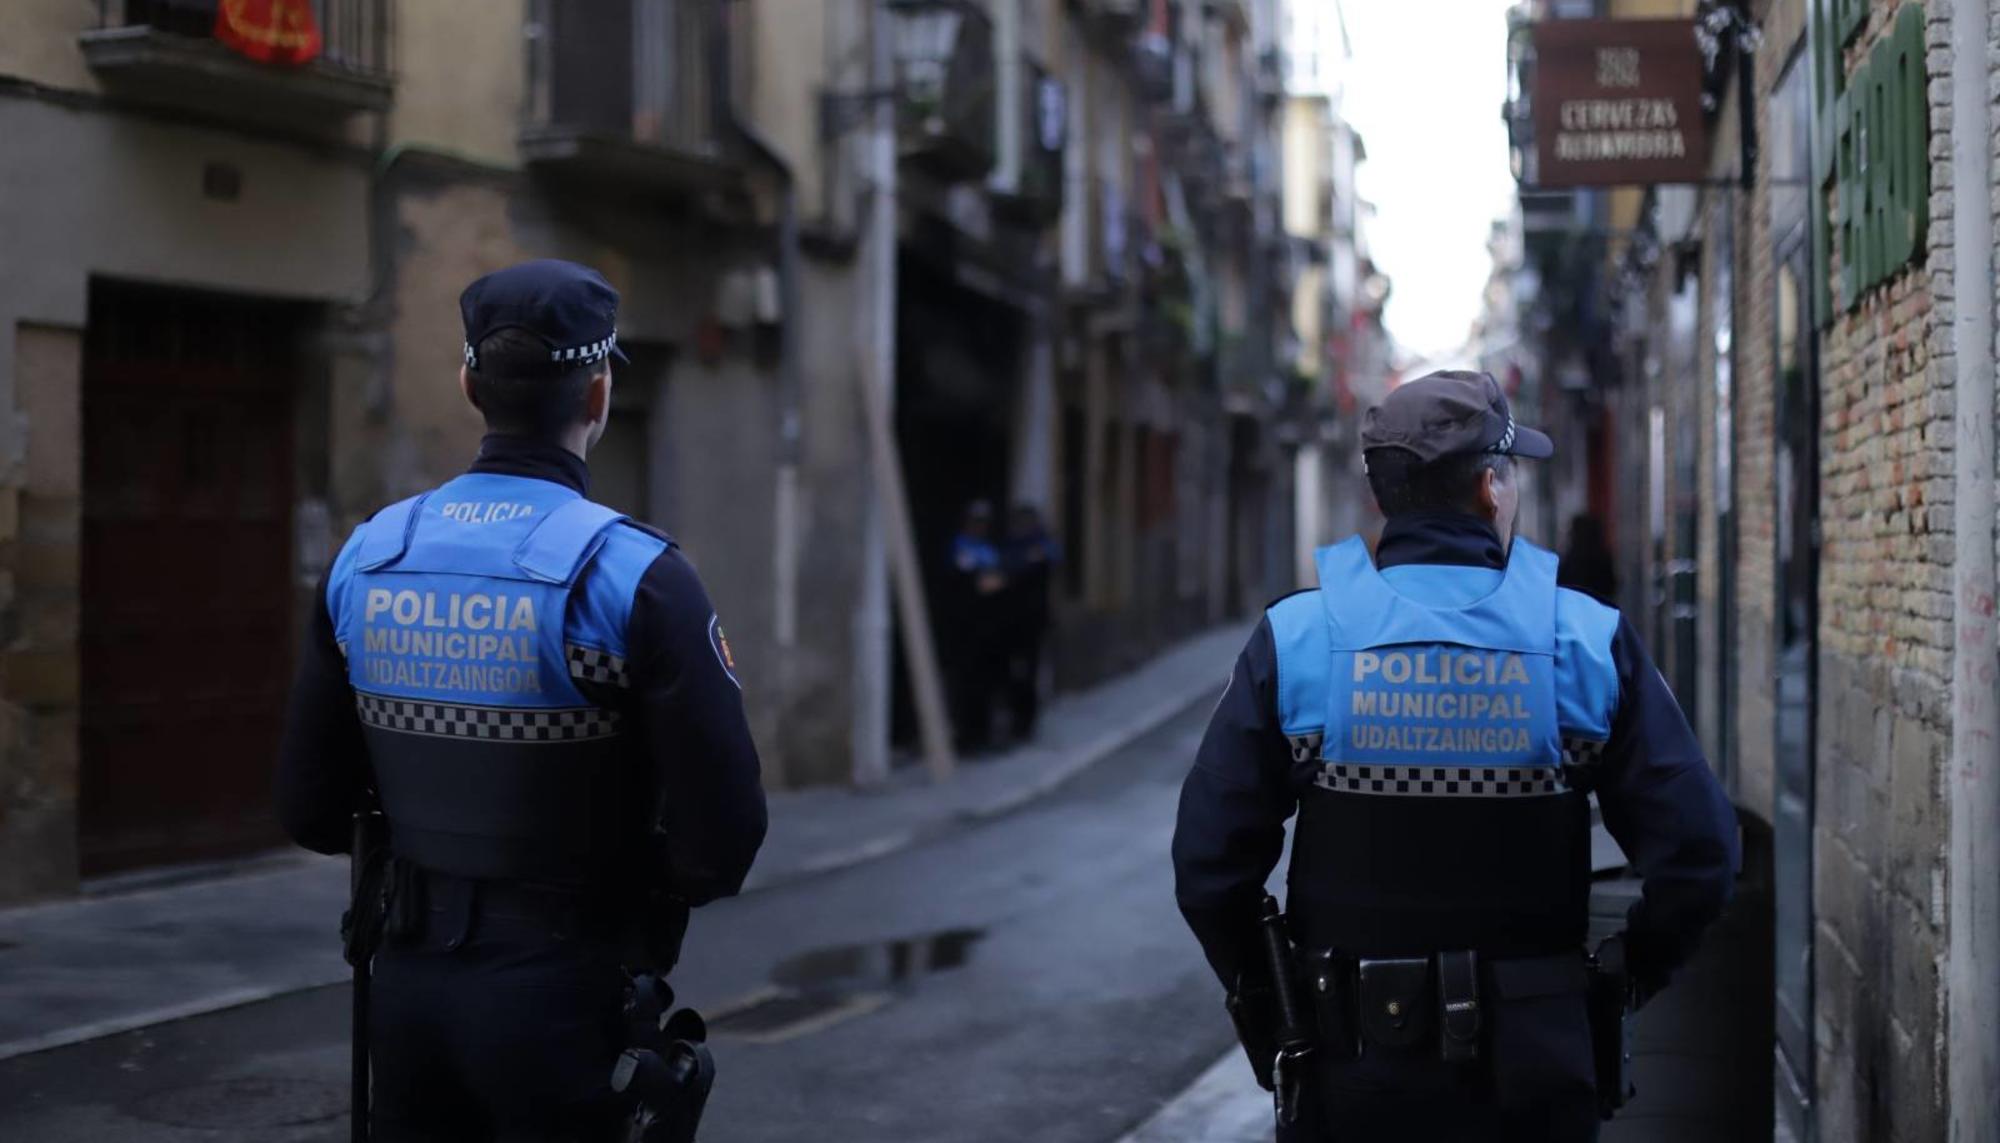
<point>539,693</point>
<point>1435,715</point>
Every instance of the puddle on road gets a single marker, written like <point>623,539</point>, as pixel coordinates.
<point>815,990</point>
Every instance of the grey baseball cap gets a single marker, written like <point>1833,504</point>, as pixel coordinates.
<point>1447,413</point>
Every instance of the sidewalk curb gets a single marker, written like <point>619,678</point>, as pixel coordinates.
<point>1221,1105</point>
<point>1075,763</point>
<point>889,844</point>
<point>201,1006</point>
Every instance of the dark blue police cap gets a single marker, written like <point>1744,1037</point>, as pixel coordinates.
<point>1448,413</point>
<point>571,308</point>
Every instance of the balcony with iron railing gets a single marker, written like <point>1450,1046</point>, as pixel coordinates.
<point>324,60</point>
<point>1040,138</point>
<point>1269,76</point>
<point>629,93</point>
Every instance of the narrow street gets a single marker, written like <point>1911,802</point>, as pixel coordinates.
<point>1027,978</point>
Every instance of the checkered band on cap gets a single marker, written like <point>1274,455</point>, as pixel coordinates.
<point>574,354</point>
<point>493,724</point>
<point>585,354</point>
<point>1441,781</point>
<point>1506,440</point>
<point>590,665</point>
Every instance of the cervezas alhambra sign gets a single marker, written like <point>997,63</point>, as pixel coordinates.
<point>1618,102</point>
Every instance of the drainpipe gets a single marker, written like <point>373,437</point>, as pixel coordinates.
<point>877,272</point>
<point>785,508</point>
<point>785,605</point>
<point>1972,785</point>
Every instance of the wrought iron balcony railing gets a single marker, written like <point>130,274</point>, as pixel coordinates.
<point>631,90</point>
<point>169,52</point>
<point>1037,195</point>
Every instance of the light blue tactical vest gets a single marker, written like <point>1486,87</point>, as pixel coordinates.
<point>468,616</point>
<point>1431,711</point>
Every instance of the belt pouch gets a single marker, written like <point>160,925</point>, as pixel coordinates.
<point>1394,998</point>
<point>1458,1006</point>
<point>1538,1044</point>
<point>1330,979</point>
<point>409,903</point>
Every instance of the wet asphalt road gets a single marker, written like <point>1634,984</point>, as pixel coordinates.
<point>1027,978</point>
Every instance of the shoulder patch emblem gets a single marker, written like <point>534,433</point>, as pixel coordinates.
<point>718,641</point>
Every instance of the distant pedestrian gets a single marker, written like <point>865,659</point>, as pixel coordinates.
<point>1029,557</point>
<point>1587,565</point>
<point>973,627</point>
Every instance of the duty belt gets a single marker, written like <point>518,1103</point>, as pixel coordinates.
<point>1425,1004</point>
<point>448,908</point>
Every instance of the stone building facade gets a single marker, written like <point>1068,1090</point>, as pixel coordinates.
<point>228,332</point>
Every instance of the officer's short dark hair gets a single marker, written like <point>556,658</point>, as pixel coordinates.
<point>521,392</point>
<point>1403,484</point>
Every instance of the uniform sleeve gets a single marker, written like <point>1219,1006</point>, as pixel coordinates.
<point>1662,803</point>
<point>1231,827</point>
<point>322,759</point>
<point>688,712</point>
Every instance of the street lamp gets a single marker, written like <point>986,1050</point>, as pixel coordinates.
<point>926,31</point>
<point>923,38</point>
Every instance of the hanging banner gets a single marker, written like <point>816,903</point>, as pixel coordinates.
<point>1618,103</point>
<point>269,31</point>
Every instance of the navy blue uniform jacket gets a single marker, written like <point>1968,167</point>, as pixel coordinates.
<point>1660,799</point>
<point>683,712</point>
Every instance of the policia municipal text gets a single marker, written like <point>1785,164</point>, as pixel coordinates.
<point>535,691</point>
<point>1436,715</point>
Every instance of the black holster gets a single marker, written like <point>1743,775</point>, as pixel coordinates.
<point>1253,1009</point>
<point>1610,1004</point>
<point>1271,1017</point>
<point>667,1069</point>
<point>370,891</point>
<point>1292,1067</point>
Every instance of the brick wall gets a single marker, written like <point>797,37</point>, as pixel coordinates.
<point>1883,718</point>
<point>1884,677</point>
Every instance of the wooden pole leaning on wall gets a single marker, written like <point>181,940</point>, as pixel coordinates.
<point>912,611</point>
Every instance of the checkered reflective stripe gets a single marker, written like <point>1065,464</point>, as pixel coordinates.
<point>1581,761</point>
<point>1441,781</point>
<point>590,665</point>
<point>1582,752</point>
<point>1305,747</point>
<point>497,724</point>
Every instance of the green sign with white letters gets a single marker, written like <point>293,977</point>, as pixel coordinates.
<point>1871,151</point>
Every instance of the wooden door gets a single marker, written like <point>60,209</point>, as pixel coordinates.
<point>186,621</point>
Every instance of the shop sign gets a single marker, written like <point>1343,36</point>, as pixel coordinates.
<point>1618,103</point>
<point>1871,154</point>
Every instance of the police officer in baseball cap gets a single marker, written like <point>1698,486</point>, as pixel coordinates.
<point>1436,714</point>
<point>536,690</point>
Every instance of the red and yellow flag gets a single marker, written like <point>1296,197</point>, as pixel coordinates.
<point>269,31</point>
